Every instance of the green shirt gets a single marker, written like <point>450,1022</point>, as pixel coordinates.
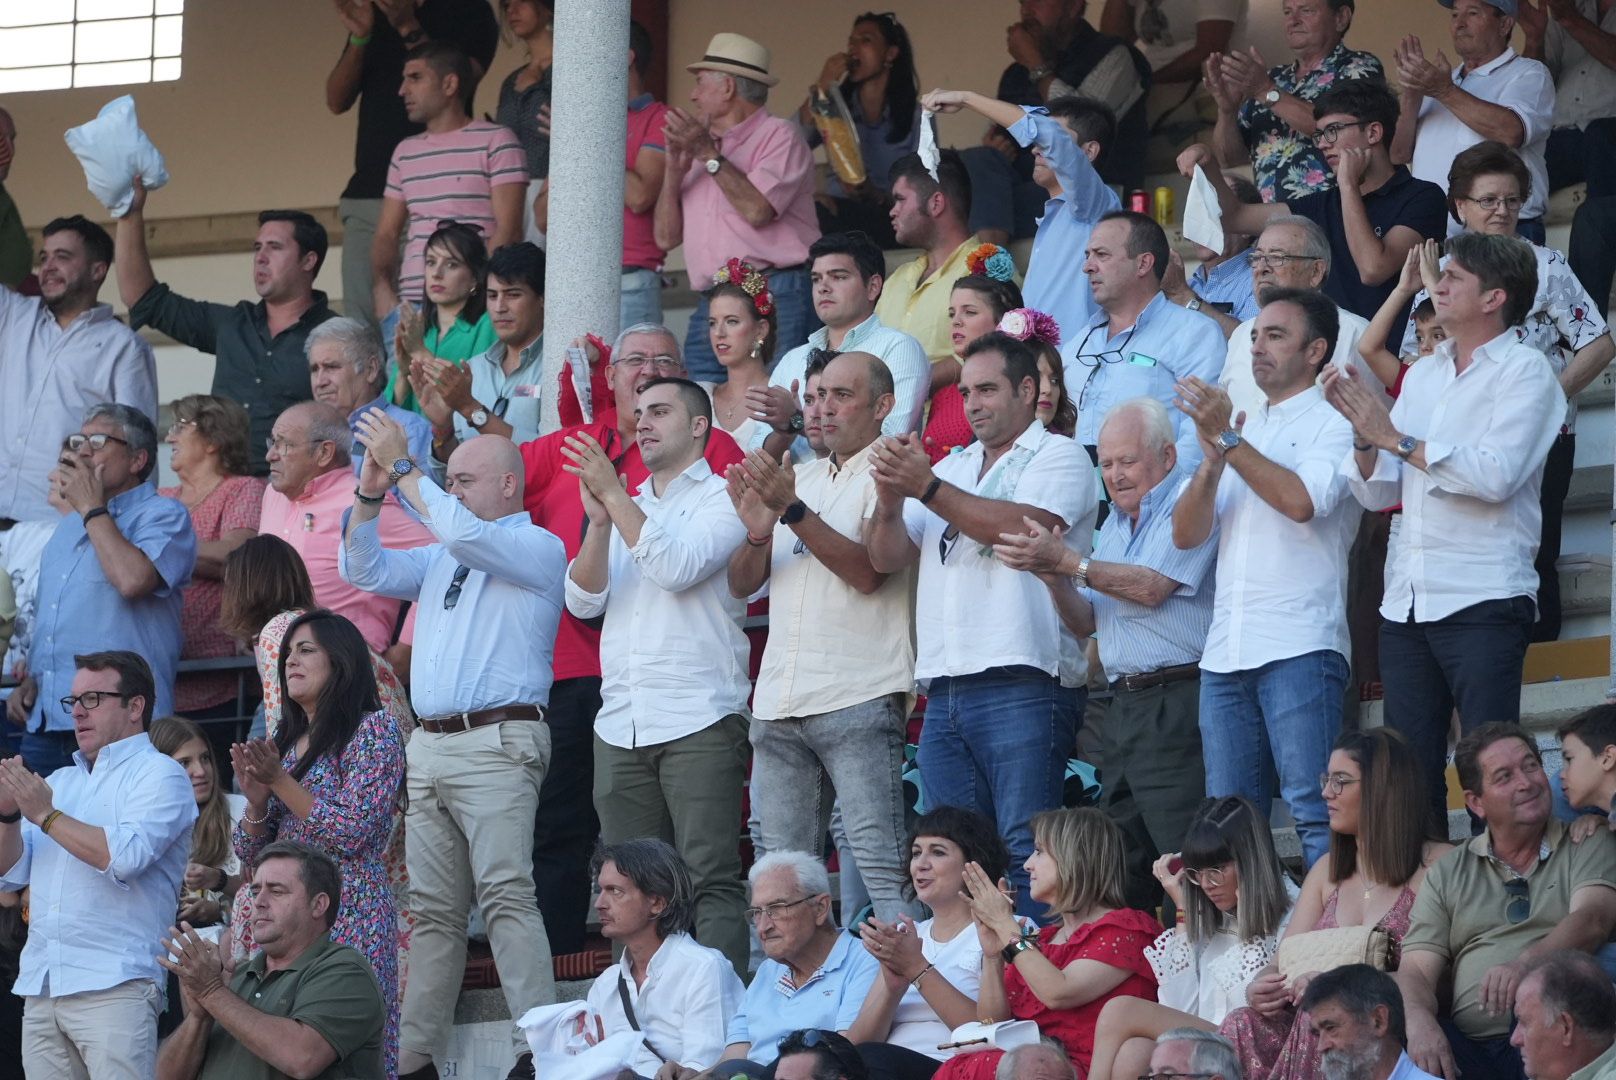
<point>1462,912</point>
<point>1602,1067</point>
<point>463,341</point>
<point>16,253</point>
<point>330,988</point>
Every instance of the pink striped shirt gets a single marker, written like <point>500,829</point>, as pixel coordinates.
<point>776,159</point>
<point>450,176</point>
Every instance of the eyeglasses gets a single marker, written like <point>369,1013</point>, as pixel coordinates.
<point>180,425</point>
<point>98,441</point>
<point>946,542</point>
<point>1275,260</point>
<point>452,596</point>
<point>661,361</point>
<point>1212,876</point>
<point>91,700</point>
<point>1093,361</point>
<point>774,910</point>
<point>816,1039</point>
<point>1490,203</point>
<point>1332,783</point>
<point>281,446</point>
<point>1519,907</point>
<point>1327,136</point>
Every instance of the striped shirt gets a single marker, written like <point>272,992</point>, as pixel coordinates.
<point>1135,638</point>
<point>450,176</point>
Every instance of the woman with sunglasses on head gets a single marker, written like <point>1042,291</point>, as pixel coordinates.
<point>332,777</point>
<point>1062,977</point>
<point>1379,853</point>
<point>452,323</point>
<point>208,444</point>
<point>818,1054</point>
<point>1487,186</point>
<point>1233,899</point>
<point>931,970</point>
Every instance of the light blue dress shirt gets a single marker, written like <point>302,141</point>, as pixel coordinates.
<point>1137,638</point>
<point>830,999</point>
<point>496,646</point>
<point>1165,344</point>
<point>80,611</point>
<point>1056,284</point>
<point>1229,286</point>
<point>92,929</point>
<point>904,357</point>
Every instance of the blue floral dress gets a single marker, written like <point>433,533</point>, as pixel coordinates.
<point>355,799</point>
<point>1287,164</point>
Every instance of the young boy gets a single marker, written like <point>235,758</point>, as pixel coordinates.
<point>1418,268</point>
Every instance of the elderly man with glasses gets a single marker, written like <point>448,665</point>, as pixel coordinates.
<point>111,576</point>
<point>566,826</point>
<point>489,594</point>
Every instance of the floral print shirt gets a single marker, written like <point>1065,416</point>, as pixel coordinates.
<point>1287,164</point>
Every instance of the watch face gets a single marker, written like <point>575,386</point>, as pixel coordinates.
<point>714,164</point>
<point>403,465</point>
<point>479,417</point>
<point>1229,440</point>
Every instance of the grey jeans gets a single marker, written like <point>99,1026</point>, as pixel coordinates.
<point>359,218</point>
<point>800,763</point>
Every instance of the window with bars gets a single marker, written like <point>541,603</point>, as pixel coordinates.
<point>58,44</point>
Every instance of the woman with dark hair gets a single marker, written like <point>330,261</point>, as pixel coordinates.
<point>332,778</point>
<point>930,970</point>
<point>208,444</point>
<point>877,77</point>
<point>1234,899</point>
<point>975,307</point>
<point>1379,853</point>
<point>681,1006</point>
<point>1063,976</point>
<point>458,327</point>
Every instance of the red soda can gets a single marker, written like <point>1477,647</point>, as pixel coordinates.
<point>1139,201</point>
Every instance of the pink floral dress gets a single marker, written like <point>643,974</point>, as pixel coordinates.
<point>1284,1047</point>
<point>356,799</point>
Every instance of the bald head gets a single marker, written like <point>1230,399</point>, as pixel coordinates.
<point>308,440</point>
<point>486,474</point>
<point>857,393</point>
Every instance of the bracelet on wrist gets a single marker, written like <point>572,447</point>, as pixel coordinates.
<point>927,970</point>
<point>50,819</point>
<point>11,818</point>
<point>359,39</point>
<point>1362,447</point>
<point>757,541</point>
<point>250,820</point>
<point>931,490</point>
<point>94,512</point>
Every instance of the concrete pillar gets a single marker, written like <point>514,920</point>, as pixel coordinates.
<point>589,127</point>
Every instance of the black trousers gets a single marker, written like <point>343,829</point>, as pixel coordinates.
<point>566,829</point>
<point>1556,482</point>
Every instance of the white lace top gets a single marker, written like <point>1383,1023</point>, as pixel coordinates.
<point>1210,981</point>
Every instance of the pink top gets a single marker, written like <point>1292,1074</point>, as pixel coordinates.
<point>776,159</point>
<point>450,176</point>
<point>645,116</point>
<point>233,505</point>
<point>312,523</point>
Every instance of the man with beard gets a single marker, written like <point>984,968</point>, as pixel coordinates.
<point>1357,1013</point>
<point>61,353</point>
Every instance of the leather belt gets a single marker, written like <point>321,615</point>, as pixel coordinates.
<point>454,723</point>
<point>1160,677</point>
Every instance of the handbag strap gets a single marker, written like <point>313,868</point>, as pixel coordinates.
<point>634,1021</point>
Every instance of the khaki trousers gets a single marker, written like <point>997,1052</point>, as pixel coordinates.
<point>106,1034</point>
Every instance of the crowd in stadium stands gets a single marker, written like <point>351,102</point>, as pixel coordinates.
<point>517,678</point>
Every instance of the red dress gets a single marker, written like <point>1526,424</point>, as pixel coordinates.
<point>1117,938</point>
<point>946,426</point>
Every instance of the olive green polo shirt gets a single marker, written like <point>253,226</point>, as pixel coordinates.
<point>1462,912</point>
<point>330,988</point>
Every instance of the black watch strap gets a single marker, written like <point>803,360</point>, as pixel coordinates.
<point>11,819</point>
<point>94,512</point>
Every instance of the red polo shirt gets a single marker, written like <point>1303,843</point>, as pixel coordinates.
<point>551,498</point>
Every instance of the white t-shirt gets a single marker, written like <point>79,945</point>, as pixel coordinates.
<point>916,1025</point>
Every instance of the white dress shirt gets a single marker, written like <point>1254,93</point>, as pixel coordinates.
<point>973,612</point>
<point>1471,519</point>
<point>690,992</point>
<point>48,378</point>
<point>830,646</point>
<point>673,655</point>
<point>1241,384</point>
<point>92,929</point>
<point>496,645</point>
<point>1522,86</point>
<point>1281,584</point>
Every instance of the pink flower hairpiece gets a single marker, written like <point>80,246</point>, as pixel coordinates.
<point>1027,324</point>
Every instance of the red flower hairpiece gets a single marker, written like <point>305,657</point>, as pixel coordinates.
<point>750,280</point>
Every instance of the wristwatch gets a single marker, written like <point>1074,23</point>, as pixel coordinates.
<point>794,513</point>
<point>401,467</point>
<point>1081,578</point>
<point>1193,304</point>
<point>1009,953</point>
<point>1406,446</point>
<point>1229,440</point>
<point>1272,97</point>
<point>478,418</point>
<point>714,163</point>
<point>795,423</point>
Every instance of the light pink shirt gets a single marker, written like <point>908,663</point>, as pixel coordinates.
<point>312,523</point>
<point>776,159</point>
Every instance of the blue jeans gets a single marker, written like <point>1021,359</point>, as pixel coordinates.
<point>794,320</point>
<point>1495,1059</point>
<point>997,742</point>
<point>46,751</point>
<point>1282,716</point>
<point>640,300</point>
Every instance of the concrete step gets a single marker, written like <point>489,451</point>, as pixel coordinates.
<point>1544,706</point>
<point>1584,583</point>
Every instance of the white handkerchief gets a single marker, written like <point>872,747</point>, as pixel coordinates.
<point>1203,218</point>
<point>112,149</point>
<point>927,149</point>
<point>560,1053</point>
